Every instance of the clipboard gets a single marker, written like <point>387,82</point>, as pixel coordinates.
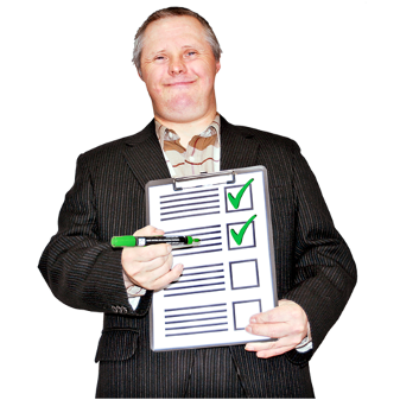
<point>231,275</point>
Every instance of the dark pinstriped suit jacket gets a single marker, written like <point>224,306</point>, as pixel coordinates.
<point>314,265</point>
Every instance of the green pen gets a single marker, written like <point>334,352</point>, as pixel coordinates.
<point>141,241</point>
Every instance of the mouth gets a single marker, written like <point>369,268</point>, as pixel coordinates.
<point>179,84</point>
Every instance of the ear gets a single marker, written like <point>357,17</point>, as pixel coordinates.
<point>218,66</point>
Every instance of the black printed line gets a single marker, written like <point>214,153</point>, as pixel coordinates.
<point>202,273</point>
<point>186,293</point>
<point>196,333</point>
<point>190,216</point>
<point>199,252</point>
<point>194,229</point>
<point>205,266</point>
<point>186,193</point>
<point>190,204</point>
<point>193,320</point>
<point>204,233</point>
<point>196,307</point>
<point>208,245</point>
<point>189,209</point>
<point>196,313</point>
<point>194,326</point>
<point>188,198</point>
<point>195,280</point>
<point>188,249</point>
<point>195,286</point>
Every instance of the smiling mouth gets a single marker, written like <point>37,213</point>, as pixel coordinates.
<point>179,84</point>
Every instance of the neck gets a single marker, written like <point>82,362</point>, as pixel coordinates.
<point>186,130</point>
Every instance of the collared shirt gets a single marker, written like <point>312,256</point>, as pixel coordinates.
<point>202,154</point>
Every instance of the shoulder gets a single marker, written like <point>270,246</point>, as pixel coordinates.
<point>264,138</point>
<point>113,149</point>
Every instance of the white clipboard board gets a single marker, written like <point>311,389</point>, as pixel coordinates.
<point>231,275</point>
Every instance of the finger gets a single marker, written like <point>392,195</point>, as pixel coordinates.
<point>258,346</point>
<point>277,330</point>
<point>285,302</point>
<point>164,280</point>
<point>286,341</point>
<point>275,315</point>
<point>139,268</point>
<point>148,231</point>
<point>163,263</point>
<point>273,352</point>
<point>179,271</point>
<point>151,272</point>
<point>285,312</point>
<point>143,254</point>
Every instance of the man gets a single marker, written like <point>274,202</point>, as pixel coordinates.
<point>178,56</point>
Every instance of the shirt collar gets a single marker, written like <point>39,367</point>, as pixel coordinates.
<point>163,133</point>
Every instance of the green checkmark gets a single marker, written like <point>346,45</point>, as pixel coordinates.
<point>235,201</point>
<point>238,237</point>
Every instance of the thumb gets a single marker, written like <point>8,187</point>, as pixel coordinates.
<point>149,231</point>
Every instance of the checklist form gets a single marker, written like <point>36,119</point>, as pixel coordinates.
<point>230,276</point>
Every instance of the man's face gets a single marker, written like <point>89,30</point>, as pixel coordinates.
<point>179,68</point>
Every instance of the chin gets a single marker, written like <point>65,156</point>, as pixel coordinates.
<point>184,108</point>
<point>183,116</point>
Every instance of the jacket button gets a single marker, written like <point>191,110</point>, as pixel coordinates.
<point>124,310</point>
<point>114,308</point>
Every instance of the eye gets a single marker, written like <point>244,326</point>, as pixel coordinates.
<point>159,58</point>
<point>191,53</point>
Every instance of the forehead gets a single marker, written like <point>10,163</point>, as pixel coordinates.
<point>180,31</point>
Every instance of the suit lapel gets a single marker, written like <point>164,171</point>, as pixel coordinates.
<point>238,147</point>
<point>144,156</point>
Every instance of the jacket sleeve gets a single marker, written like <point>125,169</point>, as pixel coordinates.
<point>82,271</point>
<point>324,271</point>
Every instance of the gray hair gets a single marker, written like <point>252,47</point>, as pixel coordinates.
<point>173,12</point>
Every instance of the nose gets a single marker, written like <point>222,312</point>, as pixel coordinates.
<point>177,66</point>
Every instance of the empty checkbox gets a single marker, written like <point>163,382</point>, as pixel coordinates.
<point>244,274</point>
<point>243,310</point>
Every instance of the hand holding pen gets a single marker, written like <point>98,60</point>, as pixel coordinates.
<point>150,267</point>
